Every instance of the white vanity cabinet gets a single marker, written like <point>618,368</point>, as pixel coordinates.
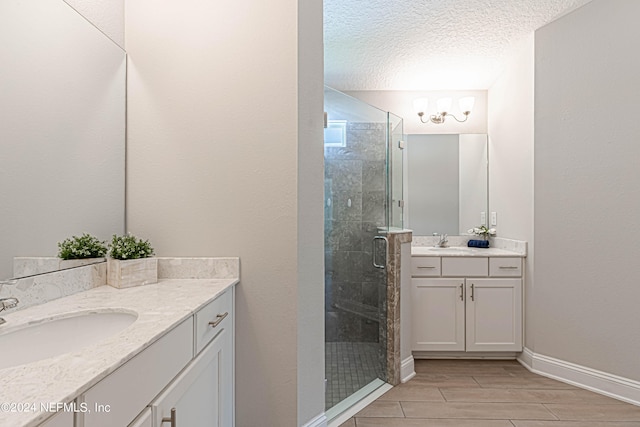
<point>475,305</point>
<point>201,396</point>
<point>189,370</point>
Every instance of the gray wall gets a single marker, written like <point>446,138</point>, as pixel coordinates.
<point>587,196</point>
<point>310,303</point>
<point>511,141</point>
<point>225,159</point>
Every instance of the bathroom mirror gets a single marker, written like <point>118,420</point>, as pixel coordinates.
<point>62,130</point>
<point>447,183</point>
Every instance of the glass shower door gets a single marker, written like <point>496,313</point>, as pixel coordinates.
<point>356,213</point>
<point>395,179</point>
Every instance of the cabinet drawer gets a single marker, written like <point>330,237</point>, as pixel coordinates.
<point>62,419</point>
<point>424,266</point>
<point>465,267</point>
<point>218,312</point>
<point>132,386</point>
<point>505,267</point>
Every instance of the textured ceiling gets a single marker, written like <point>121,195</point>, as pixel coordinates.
<point>427,44</point>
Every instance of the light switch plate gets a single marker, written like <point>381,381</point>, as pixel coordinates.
<point>494,218</point>
<point>483,218</point>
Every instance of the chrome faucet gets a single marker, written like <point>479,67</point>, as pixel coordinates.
<point>6,303</point>
<point>442,243</point>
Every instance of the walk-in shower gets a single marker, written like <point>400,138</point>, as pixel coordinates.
<point>363,188</point>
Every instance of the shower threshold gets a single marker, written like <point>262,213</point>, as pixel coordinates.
<point>353,404</point>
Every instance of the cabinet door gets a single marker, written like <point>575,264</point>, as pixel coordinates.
<point>437,312</point>
<point>494,314</point>
<point>144,419</point>
<point>202,395</point>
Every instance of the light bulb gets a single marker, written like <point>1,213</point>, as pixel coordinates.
<point>466,104</point>
<point>444,105</point>
<point>420,105</point>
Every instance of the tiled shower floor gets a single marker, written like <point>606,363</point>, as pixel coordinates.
<point>349,366</point>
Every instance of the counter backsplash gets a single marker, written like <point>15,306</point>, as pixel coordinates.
<point>198,268</point>
<point>46,287</point>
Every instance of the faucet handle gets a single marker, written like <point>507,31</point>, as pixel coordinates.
<point>7,303</point>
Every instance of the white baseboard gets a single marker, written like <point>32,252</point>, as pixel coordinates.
<point>407,369</point>
<point>487,355</point>
<point>526,359</point>
<point>319,421</point>
<point>620,388</point>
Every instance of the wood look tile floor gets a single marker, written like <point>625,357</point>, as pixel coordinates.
<point>487,393</point>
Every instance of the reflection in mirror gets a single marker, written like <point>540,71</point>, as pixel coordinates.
<point>62,118</point>
<point>447,187</point>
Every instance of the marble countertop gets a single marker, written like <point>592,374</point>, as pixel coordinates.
<point>462,251</point>
<point>159,306</point>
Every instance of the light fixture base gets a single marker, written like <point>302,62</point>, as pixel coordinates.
<point>438,118</point>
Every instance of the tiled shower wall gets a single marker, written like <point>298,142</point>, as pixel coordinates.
<point>354,291</point>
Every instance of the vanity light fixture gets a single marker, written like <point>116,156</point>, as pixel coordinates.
<point>443,108</point>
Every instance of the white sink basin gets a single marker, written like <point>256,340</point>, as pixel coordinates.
<point>462,249</point>
<point>59,335</point>
<point>448,251</point>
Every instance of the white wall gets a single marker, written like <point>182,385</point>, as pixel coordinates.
<point>224,111</point>
<point>511,141</point>
<point>400,102</point>
<point>587,199</point>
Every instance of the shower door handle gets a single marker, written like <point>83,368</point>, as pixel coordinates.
<point>375,251</point>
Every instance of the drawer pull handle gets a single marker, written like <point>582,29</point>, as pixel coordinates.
<point>510,267</point>
<point>426,267</point>
<point>171,419</point>
<point>473,292</point>
<point>219,318</point>
<point>461,292</point>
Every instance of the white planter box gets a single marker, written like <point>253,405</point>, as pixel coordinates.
<point>132,272</point>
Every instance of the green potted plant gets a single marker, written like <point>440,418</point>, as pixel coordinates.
<point>130,262</point>
<point>81,250</point>
<point>83,247</point>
